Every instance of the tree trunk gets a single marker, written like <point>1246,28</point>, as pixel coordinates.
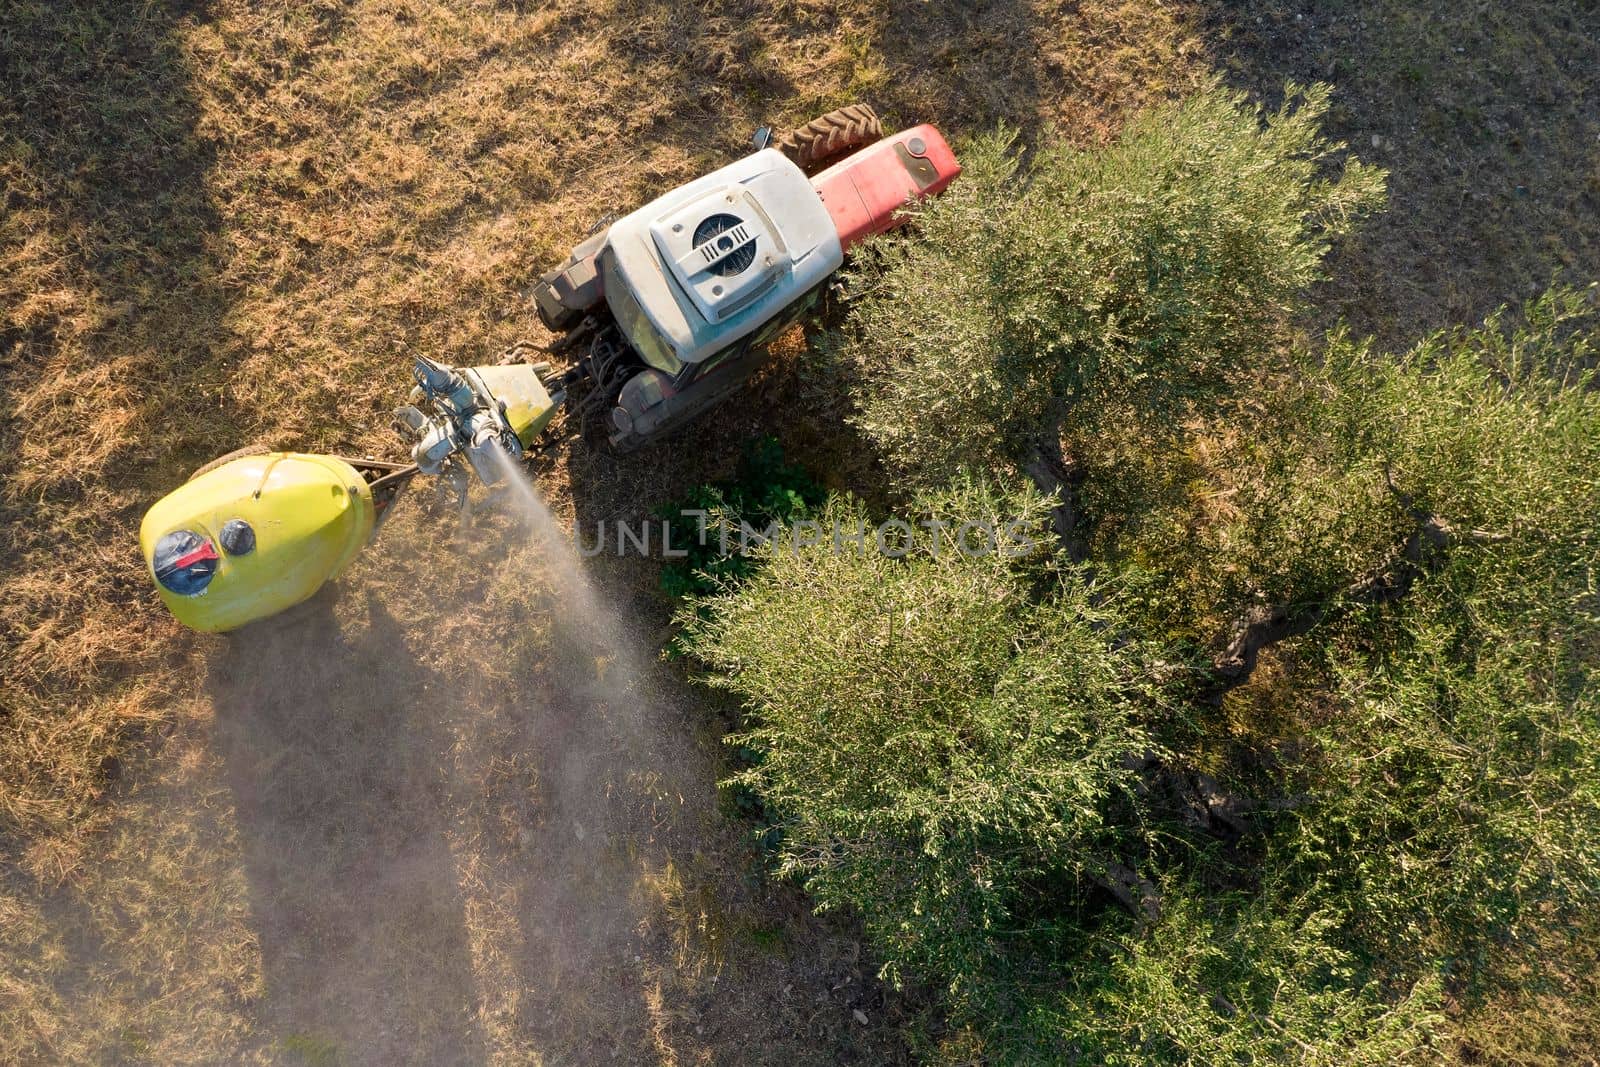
<point>1264,626</point>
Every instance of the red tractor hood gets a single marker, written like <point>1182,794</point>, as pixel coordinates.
<point>865,191</point>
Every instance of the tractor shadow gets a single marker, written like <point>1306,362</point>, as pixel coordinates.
<point>609,884</point>
<point>332,751</point>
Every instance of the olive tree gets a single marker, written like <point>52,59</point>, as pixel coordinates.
<point>1057,284</point>
<point>1284,733</point>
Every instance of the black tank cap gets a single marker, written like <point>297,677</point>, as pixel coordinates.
<point>237,538</point>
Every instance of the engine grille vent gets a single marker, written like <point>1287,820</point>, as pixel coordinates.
<point>726,243</point>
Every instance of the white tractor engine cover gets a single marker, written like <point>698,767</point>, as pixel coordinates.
<point>713,260</point>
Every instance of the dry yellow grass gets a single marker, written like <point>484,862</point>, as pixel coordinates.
<point>335,840</point>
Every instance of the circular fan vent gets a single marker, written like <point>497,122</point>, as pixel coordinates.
<point>736,256</point>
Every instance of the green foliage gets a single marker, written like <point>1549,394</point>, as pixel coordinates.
<point>1453,737</point>
<point>947,740</point>
<point>1133,282</point>
<point>935,737</point>
<point>1466,738</point>
<point>767,489</point>
<point>948,744</point>
<point>1237,979</point>
<point>313,1050</point>
<point>968,750</point>
<point>1312,478</point>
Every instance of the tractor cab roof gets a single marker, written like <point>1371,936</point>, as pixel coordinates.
<point>713,260</point>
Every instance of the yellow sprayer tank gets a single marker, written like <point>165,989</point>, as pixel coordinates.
<point>254,536</point>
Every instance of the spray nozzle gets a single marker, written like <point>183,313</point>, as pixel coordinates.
<point>435,378</point>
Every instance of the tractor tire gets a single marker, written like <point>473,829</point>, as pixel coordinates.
<point>824,141</point>
<point>238,453</point>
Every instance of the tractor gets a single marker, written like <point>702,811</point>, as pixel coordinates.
<point>658,316</point>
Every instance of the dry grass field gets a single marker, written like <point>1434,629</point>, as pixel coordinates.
<point>391,827</point>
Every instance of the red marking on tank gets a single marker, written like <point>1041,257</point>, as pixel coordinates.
<point>193,556</point>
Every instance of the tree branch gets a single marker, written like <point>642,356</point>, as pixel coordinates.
<point>1132,890</point>
<point>1199,800</point>
<point>1050,473</point>
<point>1263,626</point>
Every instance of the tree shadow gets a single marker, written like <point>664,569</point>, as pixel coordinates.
<point>964,65</point>
<point>113,298</point>
<point>108,295</point>
<point>334,755</point>
<point>1487,117</point>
